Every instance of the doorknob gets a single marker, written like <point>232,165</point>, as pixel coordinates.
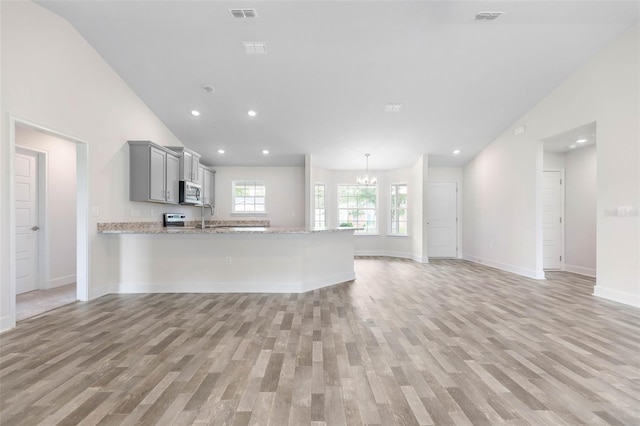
<point>35,228</point>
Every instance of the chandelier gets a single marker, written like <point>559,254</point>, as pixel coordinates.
<point>366,179</point>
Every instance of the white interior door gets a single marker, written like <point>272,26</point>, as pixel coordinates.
<point>26,223</point>
<point>443,219</point>
<point>552,220</point>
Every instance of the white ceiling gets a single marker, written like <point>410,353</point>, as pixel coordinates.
<point>332,66</point>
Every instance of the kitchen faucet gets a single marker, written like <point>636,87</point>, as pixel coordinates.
<point>202,213</point>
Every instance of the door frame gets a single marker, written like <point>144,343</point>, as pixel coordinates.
<point>42,191</point>
<point>458,217</point>
<point>82,213</point>
<point>562,236</point>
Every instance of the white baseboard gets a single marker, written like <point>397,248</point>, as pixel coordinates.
<point>6,324</point>
<point>100,291</point>
<point>325,282</point>
<point>589,272</point>
<point>204,287</point>
<point>232,287</point>
<point>525,272</point>
<point>617,296</point>
<point>398,254</point>
<point>60,281</point>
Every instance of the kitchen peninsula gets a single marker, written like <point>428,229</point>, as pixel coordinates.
<point>227,258</point>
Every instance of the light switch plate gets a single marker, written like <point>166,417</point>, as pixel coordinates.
<point>95,211</point>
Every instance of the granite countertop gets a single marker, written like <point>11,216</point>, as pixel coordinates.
<point>213,227</point>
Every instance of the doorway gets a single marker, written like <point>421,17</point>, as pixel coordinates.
<point>443,219</point>
<point>570,208</point>
<point>79,212</point>
<point>45,195</point>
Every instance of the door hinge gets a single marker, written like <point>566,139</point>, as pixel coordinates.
<point>560,258</point>
<point>456,219</point>
<point>560,220</point>
<point>560,181</point>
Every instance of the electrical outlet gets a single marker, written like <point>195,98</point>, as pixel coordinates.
<point>151,212</point>
<point>95,211</point>
<point>135,212</point>
<point>228,261</point>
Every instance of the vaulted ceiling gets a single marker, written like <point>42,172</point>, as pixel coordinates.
<point>331,67</point>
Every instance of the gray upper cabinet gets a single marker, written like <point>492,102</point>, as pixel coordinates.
<point>189,163</point>
<point>208,186</point>
<point>173,179</point>
<point>153,173</point>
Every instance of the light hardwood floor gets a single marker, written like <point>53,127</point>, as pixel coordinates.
<point>448,342</point>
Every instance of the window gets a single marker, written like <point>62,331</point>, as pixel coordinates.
<point>248,196</point>
<point>399,209</point>
<point>320,211</point>
<point>357,205</point>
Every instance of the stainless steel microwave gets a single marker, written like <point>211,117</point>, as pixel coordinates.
<point>190,193</point>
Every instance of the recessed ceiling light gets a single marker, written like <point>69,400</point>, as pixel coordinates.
<point>221,151</point>
<point>195,113</point>
<point>456,151</point>
<point>572,147</point>
<point>252,113</point>
<point>265,151</point>
<point>208,89</point>
<point>581,141</point>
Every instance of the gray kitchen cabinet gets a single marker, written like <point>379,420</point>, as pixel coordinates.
<point>173,179</point>
<point>189,163</point>
<point>200,179</point>
<point>208,186</point>
<point>153,173</point>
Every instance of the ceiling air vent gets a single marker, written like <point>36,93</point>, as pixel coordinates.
<point>392,107</point>
<point>254,48</point>
<point>243,13</point>
<point>487,16</point>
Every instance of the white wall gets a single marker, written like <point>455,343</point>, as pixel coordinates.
<point>60,223</point>
<point>284,193</point>
<point>419,173</point>
<point>52,77</point>
<point>581,210</point>
<point>553,160</point>
<point>499,218</point>
<point>503,203</point>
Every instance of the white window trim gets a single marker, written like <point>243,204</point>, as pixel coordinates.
<point>233,200</point>
<point>360,233</point>
<point>316,207</point>
<point>392,234</point>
